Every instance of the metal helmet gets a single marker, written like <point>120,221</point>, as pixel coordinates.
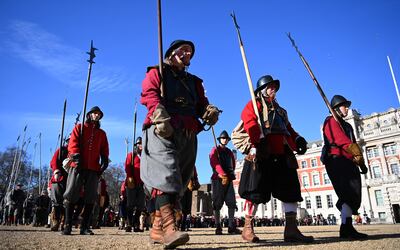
<point>138,140</point>
<point>264,81</point>
<point>224,134</point>
<point>338,100</point>
<point>176,44</point>
<point>95,108</point>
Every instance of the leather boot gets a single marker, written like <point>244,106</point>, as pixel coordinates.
<point>156,232</point>
<point>55,218</point>
<point>292,233</point>
<point>69,210</point>
<point>348,231</point>
<point>234,230</point>
<point>85,227</point>
<point>248,230</point>
<point>172,237</point>
<point>218,230</point>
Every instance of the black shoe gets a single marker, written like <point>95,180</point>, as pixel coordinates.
<point>136,229</point>
<point>348,231</point>
<point>218,230</point>
<point>67,230</point>
<point>128,229</point>
<point>86,231</point>
<point>234,230</point>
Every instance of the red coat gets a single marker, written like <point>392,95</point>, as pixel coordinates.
<point>95,144</point>
<point>136,168</point>
<point>123,189</point>
<point>335,135</point>
<point>216,165</point>
<point>56,164</point>
<point>151,97</point>
<point>275,142</point>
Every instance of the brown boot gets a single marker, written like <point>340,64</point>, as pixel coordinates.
<point>248,230</point>
<point>172,237</point>
<point>292,233</point>
<point>156,232</point>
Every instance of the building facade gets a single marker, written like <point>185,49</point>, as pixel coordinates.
<point>378,135</point>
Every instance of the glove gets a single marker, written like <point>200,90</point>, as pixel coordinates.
<point>363,169</point>
<point>301,145</point>
<point>190,185</point>
<point>211,114</point>
<point>76,159</point>
<point>161,118</point>
<point>104,164</point>
<point>131,183</point>
<point>355,151</point>
<point>251,156</point>
<point>57,175</point>
<point>224,180</point>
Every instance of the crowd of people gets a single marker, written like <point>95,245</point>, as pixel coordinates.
<point>161,174</point>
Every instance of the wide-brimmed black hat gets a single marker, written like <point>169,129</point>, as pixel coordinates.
<point>176,44</point>
<point>264,81</point>
<point>95,108</point>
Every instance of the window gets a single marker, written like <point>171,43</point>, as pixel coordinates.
<point>382,216</point>
<point>394,167</point>
<point>314,163</point>
<point>315,179</point>
<point>327,181</point>
<point>379,197</point>
<point>318,201</point>
<point>308,202</point>
<point>329,200</point>
<point>389,149</point>
<point>306,183</point>
<point>376,170</point>
<point>303,164</point>
<point>372,152</point>
<point>275,204</point>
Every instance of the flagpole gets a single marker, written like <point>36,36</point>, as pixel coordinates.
<point>394,79</point>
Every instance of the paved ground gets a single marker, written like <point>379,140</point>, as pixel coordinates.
<point>27,237</point>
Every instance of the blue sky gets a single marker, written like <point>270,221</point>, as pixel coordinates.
<point>43,57</point>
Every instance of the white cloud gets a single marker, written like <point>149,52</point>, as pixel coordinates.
<point>48,53</point>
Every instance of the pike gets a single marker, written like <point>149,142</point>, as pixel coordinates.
<point>215,143</point>
<point>160,48</point>
<point>246,67</point>
<point>40,160</point>
<point>92,55</point>
<point>61,135</point>
<point>134,130</point>
<point>321,92</point>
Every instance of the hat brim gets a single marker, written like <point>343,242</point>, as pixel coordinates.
<point>177,45</point>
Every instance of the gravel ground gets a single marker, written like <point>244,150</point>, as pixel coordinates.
<point>27,237</point>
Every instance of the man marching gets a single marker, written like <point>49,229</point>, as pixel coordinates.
<point>58,182</point>
<point>85,168</point>
<point>272,153</point>
<point>342,157</point>
<point>134,188</point>
<point>170,130</point>
<point>223,165</point>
